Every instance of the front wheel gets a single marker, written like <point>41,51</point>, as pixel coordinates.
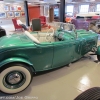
<point>98,57</point>
<point>15,78</point>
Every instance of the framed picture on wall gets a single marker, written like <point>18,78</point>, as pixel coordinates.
<point>10,14</point>
<point>2,15</point>
<point>13,8</point>
<point>19,8</point>
<point>6,8</point>
<point>17,14</point>
<point>22,13</point>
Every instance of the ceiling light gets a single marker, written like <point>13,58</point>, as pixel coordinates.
<point>29,3</point>
<point>7,3</point>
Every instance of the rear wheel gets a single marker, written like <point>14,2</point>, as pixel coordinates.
<point>98,57</point>
<point>15,78</point>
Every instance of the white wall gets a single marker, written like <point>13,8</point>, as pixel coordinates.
<point>55,1</point>
<point>8,20</point>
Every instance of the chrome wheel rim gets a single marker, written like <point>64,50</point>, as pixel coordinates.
<point>14,80</point>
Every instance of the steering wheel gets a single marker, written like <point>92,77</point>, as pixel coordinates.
<point>49,35</point>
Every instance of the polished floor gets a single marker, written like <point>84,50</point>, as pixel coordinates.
<point>64,83</point>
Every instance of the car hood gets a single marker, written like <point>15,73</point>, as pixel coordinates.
<point>14,40</point>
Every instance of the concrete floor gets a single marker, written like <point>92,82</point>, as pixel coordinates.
<point>64,83</point>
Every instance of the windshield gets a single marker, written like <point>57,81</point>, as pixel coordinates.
<point>64,26</point>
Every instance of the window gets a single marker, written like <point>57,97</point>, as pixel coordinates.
<point>69,10</point>
<point>56,12</point>
<point>98,8</point>
<point>46,10</point>
<point>84,8</point>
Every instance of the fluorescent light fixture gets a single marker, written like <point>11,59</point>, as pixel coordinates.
<point>29,3</point>
<point>7,3</point>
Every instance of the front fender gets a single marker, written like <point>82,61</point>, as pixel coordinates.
<point>15,59</point>
<point>98,50</point>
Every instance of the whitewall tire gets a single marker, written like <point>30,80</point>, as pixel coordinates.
<point>15,78</point>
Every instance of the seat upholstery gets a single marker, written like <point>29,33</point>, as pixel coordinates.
<point>42,37</point>
<point>31,37</point>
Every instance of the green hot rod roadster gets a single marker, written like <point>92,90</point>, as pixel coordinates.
<point>21,55</point>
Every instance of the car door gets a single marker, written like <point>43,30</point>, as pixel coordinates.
<point>77,49</point>
<point>63,53</point>
<point>88,43</point>
<point>42,56</point>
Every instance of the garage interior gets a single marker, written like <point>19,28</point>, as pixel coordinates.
<point>64,83</point>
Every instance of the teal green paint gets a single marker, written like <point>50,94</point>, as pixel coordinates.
<point>45,56</point>
<point>98,50</point>
<point>11,60</point>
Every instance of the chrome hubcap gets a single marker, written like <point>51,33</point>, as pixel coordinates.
<point>14,78</point>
